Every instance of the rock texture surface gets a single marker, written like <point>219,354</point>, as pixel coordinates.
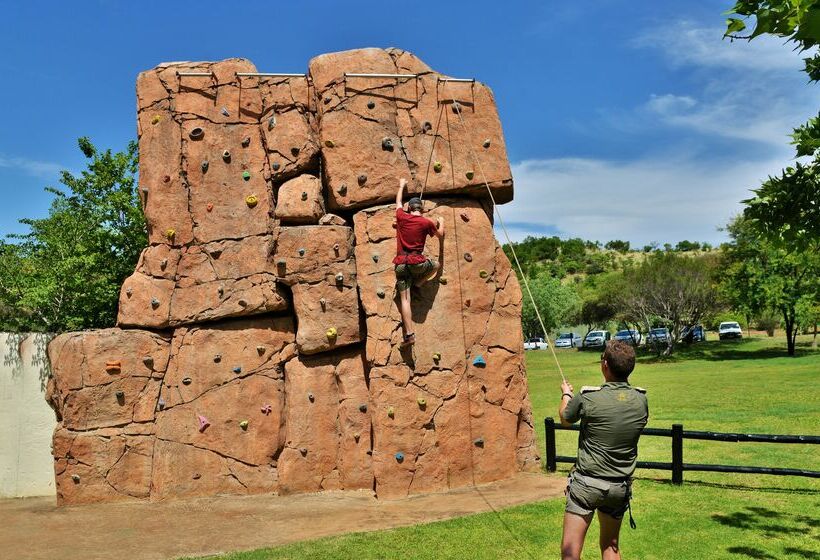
<point>257,341</point>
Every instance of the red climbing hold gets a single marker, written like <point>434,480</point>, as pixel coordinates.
<point>203,423</point>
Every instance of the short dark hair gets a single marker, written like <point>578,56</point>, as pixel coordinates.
<point>620,357</point>
<point>414,202</point>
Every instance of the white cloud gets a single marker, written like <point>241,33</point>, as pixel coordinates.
<point>750,91</point>
<point>686,43</point>
<point>34,168</point>
<point>663,199</point>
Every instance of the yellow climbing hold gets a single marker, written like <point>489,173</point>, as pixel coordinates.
<point>251,200</point>
<point>170,233</point>
<point>436,356</point>
<point>329,143</point>
<point>437,167</point>
<point>442,280</point>
<point>483,273</point>
<point>243,424</point>
<point>331,332</point>
<point>391,412</point>
<point>155,119</point>
<point>421,401</point>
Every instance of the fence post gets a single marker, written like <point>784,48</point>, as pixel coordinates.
<point>549,434</point>
<point>677,453</point>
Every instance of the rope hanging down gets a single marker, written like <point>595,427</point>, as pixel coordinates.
<point>506,235</point>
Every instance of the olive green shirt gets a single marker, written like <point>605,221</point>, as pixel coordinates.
<point>612,417</point>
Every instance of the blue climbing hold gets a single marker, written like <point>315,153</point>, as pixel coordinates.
<point>237,369</point>
<point>479,361</point>
<point>399,457</point>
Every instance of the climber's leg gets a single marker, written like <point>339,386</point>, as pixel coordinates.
<point>404,279</point>
<point>424,272</point>
<point>406,317</point>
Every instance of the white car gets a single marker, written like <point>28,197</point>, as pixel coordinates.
<point>568,340</point>
<point>730,329</point>
<point>535,344</point>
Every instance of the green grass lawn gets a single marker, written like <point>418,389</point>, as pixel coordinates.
<point>748,386</point>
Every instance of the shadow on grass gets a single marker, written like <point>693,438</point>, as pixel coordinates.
<point>742,487</point>
<point>772,524</point>
<point>726,350</point>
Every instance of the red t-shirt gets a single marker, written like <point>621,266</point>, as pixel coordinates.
<point>411,233</point>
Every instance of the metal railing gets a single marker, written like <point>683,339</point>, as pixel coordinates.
<point>677,466</point>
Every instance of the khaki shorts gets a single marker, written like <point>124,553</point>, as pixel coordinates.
<point>406,274</point>
<point>585,494</point>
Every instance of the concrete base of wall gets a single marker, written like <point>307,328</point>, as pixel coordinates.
<point>26,421</point>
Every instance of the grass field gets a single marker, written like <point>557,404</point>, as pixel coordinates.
<point>748,386</point>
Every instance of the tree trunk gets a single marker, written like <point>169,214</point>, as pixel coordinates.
<point>814,340</point>
<point>790,336</point>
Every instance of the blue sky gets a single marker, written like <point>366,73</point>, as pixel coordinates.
<point>623,119</point>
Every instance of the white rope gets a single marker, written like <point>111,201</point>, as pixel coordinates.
<point>507,236</point>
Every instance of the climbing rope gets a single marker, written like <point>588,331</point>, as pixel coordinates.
<point>432,151</point>
<point>457,108</point>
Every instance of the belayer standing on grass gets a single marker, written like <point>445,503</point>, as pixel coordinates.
<point>612,417</point>
<point>412,267</point>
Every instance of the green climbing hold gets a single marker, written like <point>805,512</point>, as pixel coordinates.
<point>304,195</point>
<point>391,412</point>
<point>437,167</point>
<point>329,143</point>
<point>246,175</point>
<point>243,424</point>
<point>421,401</point>
<point>483,273</point>
<point>442,280</point>
<point>469,175</point>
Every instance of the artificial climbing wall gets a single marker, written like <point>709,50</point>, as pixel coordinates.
<point>257,340</point>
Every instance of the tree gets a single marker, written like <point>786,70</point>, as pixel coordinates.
<point>786,208</point>
<point>557,303</point>
<point>617,245</point>
<point>65,273</point>
<point>672,289</point>
<point>759,274</point>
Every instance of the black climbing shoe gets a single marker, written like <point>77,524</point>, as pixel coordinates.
<point>409,340</point>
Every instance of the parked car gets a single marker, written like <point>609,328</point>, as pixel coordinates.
<point>596,339</point>
<point>693,334</point>
<point>568,340</point>
<point>658,336</point>
<point>630,336</point>
<point>535,344</point>
<point>730,329</point>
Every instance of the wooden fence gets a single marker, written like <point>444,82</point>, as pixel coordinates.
<point>677,466</point>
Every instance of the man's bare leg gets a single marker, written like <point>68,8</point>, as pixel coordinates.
<point>610,530</point>
<point>575,530</point>
<point>406,313</point>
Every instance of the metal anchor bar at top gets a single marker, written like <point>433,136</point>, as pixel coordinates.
<point>352,75</point>
<point>271,75</point>
<point>196,74</point>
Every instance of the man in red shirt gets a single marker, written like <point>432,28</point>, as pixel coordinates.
<point>412,267</point>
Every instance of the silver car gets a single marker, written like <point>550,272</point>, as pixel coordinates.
<point>630,336</point>
<point>596,339</point>
<point>568,340</point>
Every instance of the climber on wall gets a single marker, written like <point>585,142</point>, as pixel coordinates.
<point>412,267</point>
